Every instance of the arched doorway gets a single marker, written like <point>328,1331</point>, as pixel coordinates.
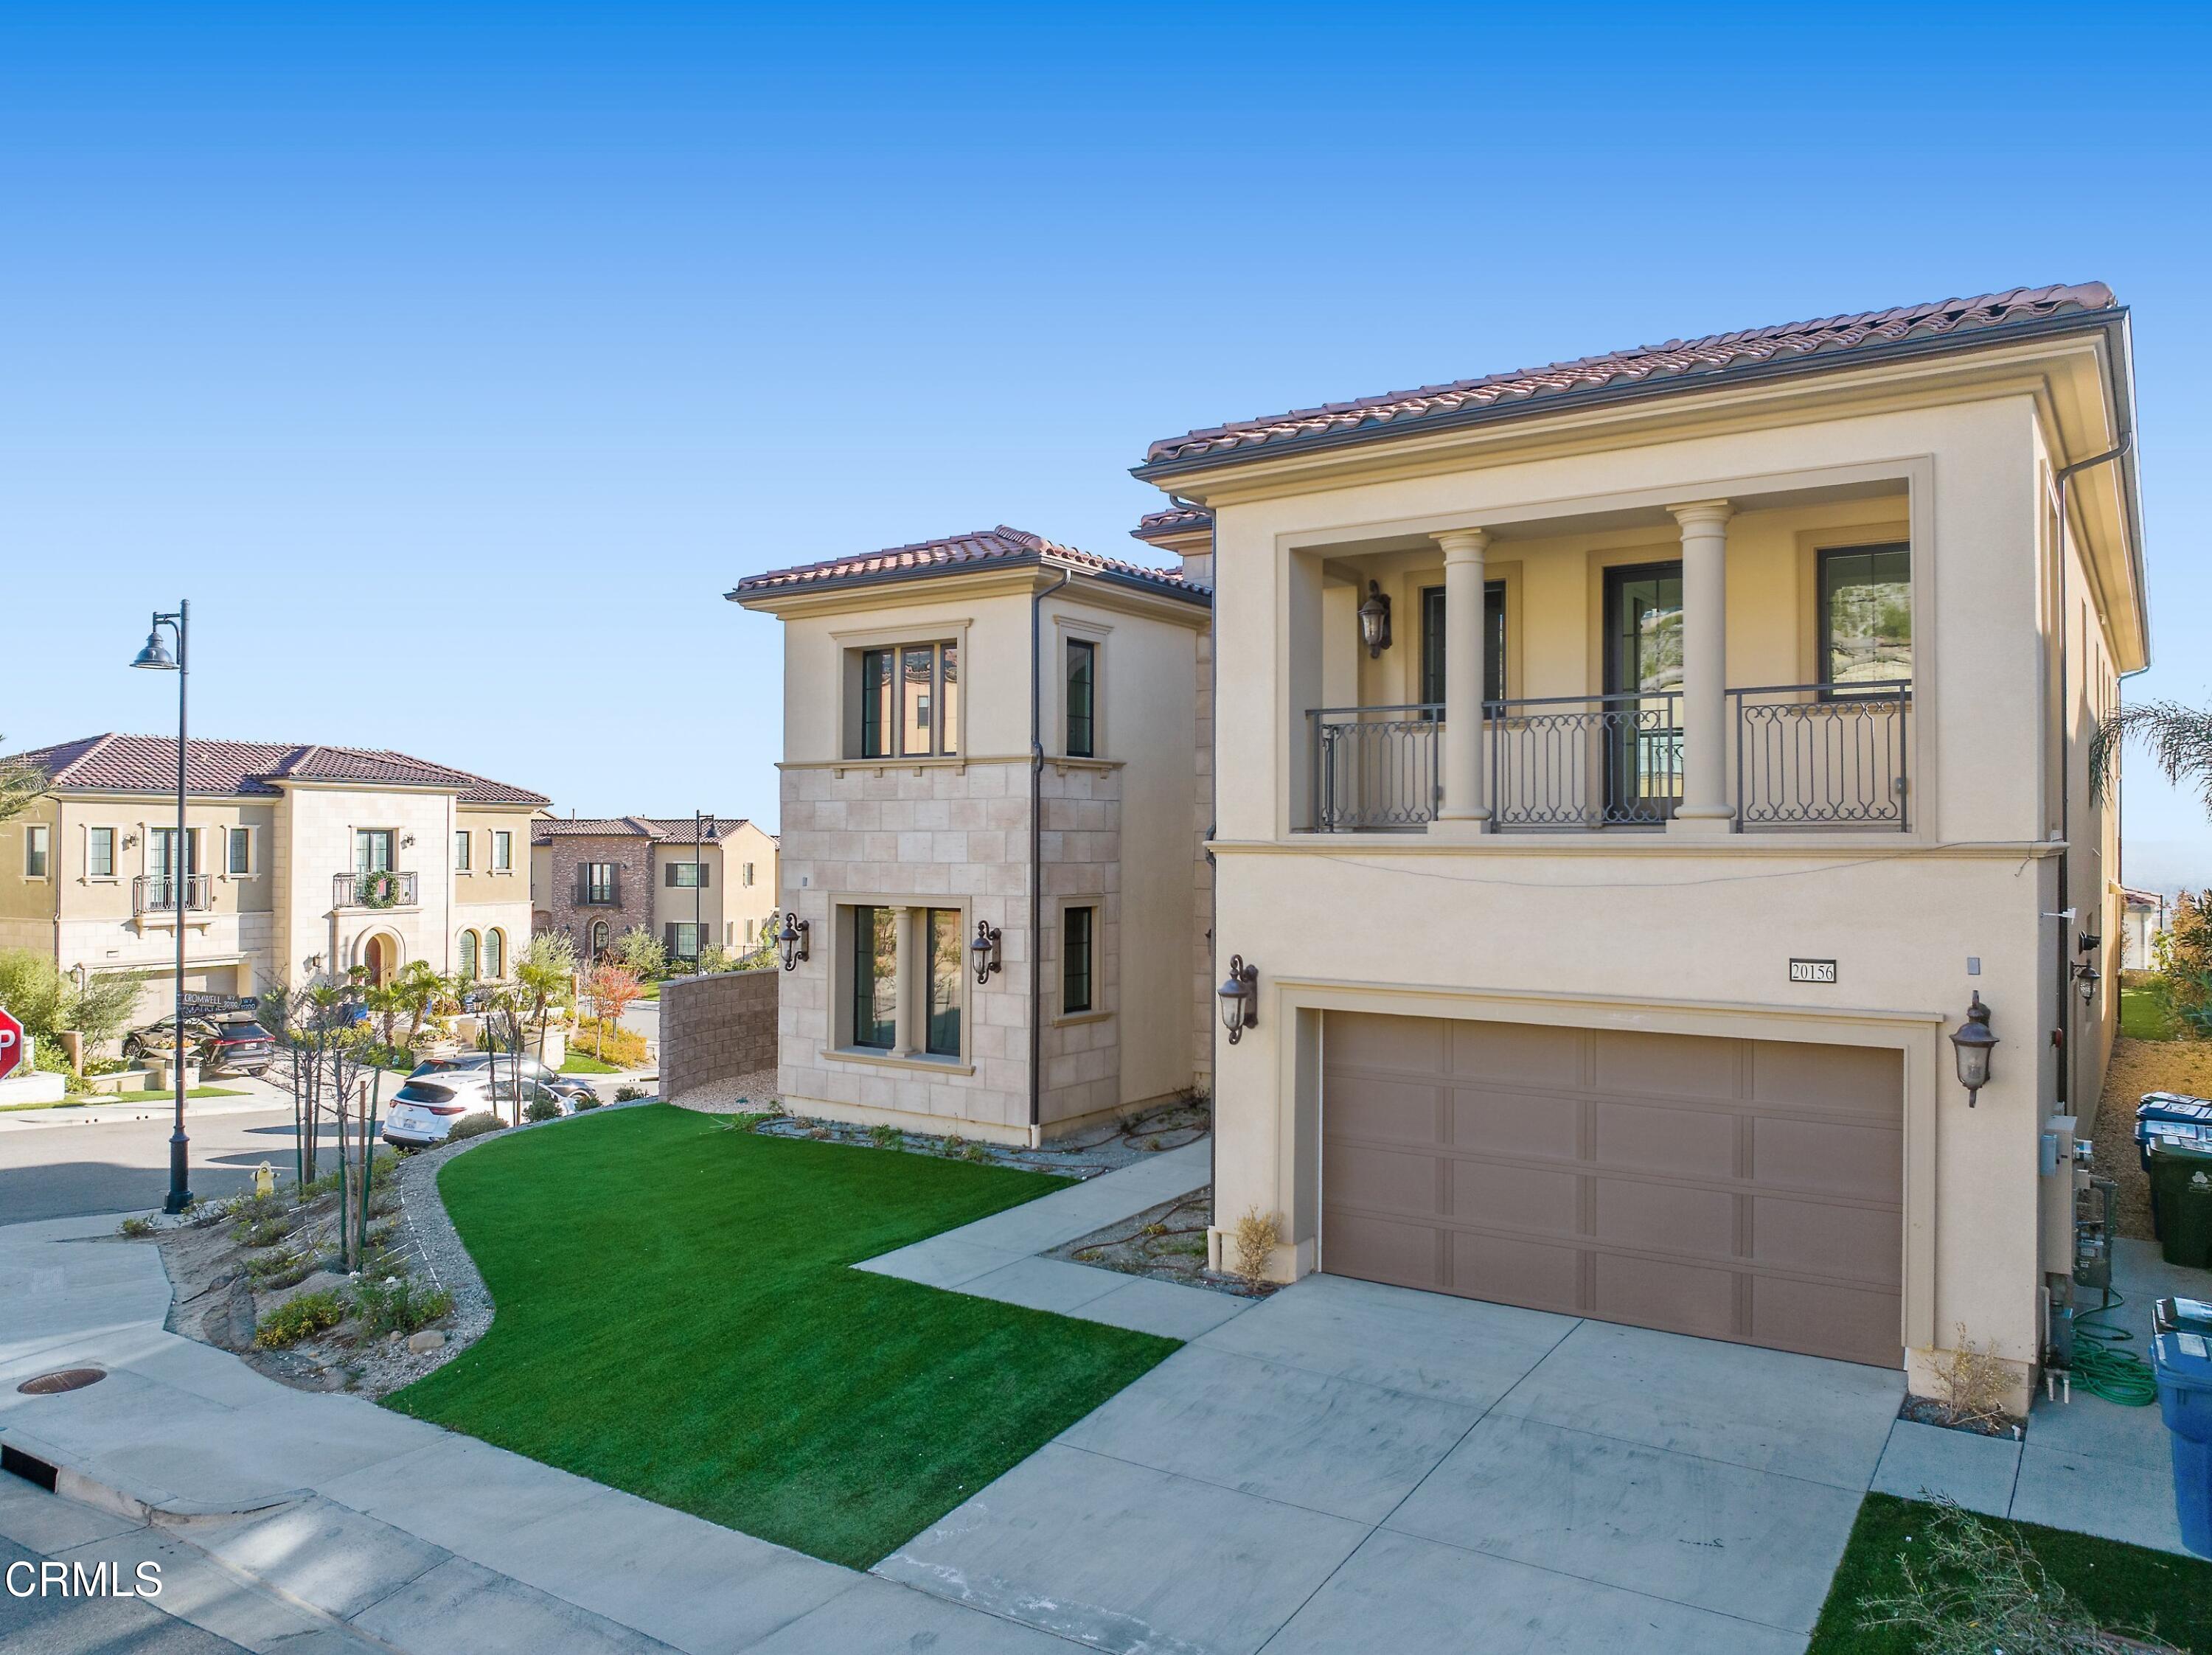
<point>379,954</point>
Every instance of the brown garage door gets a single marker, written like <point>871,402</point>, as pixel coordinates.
<point>1746,1189</point>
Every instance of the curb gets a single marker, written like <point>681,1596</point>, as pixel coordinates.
<point>118,1500</point>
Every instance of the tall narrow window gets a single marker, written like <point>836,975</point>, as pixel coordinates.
<point>748,872</point>
<point>875,977</point>
<point>99,853</point>
<point>36,851</point>
<point>468,952</point>
<point>948,963</point>
<point>1432,643</point>
<point>948,699</point>
<point>1866,615</point>
<point>372,849</point>
<point>1082,699</point>
<point>917,699</point>
<point>1075,952</point>
<point>502,850</point>
<point>877,720</point>
<point>495,953</point>
<point>595,883</point>
<point>162,859</point>
<point>241,852</point>
<point>461,837</point>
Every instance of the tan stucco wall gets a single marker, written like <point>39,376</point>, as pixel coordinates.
<point>482,883</point>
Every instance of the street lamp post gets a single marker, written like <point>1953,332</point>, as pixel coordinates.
<point>155,657</point>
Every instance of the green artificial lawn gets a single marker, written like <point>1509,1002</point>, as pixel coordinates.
<point>677,1317</point>
<point>2141,1017</point>
<point>583,1063</point>
<point>104,1099</point>
<point>2124,1586</point>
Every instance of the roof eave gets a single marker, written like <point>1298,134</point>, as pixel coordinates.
<point>943,571</point>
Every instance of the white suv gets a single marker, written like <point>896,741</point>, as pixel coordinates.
<point>424,1111</point>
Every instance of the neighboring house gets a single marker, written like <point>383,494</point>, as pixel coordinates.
<point>693,884</point>
<point>1716,726</point>
<point>2143,922</point>
<point>988,737</point>
<point>299,862</point>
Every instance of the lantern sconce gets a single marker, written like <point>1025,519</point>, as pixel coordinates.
<point>1239,998</point>
<point>2086,978</point>
<point>1972,1042</point>
<point>2090,943</point>
<point>793,938</point>
<point>984,951</point>
<point>1374,620</point>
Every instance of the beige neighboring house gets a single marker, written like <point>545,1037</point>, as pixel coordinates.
<point>300,862</point>
<point>989,738</point>
<point>2143,916</point>
<point>693,883</point>
<point>1715,731</point>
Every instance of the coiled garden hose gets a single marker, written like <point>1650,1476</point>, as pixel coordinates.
<point>2104,1370</point>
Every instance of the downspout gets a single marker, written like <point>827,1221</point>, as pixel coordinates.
<point>1212,821</point>
<point>2063,1027</point>
<point>1036,851</point>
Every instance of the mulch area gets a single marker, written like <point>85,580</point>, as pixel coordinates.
<point>2137,1067</point>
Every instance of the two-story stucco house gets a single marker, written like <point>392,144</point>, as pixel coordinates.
<point>989,795</point>
<point>297,864</point>
<point>693,883</point>
<point>1629,774</point>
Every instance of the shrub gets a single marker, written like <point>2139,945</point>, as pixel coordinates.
<point>586,1100</point>
<point>610,1043</point>
<point>398,1304</point>
<point>280,1270</point>
<point>474,1125</point>
<point>976,1152</point>
<point>1257,1236</point>
<point>884,1136</point>
<point>541,1109</point>
<point>295,1318</point>
<point>631,1093</point>
<point>137,1227</point>
<point>262,1231</point>
<point>1971,1386</point>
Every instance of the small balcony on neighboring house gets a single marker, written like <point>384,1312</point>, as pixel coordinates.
<point>375,887</point>
<point>1595,671</point>
<point>156,896</point>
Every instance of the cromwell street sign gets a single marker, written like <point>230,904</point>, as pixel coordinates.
<point>11,1044</point>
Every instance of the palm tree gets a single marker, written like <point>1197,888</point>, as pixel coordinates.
<point>19,784</point>
<point>547,973</point>
<point>2180,738</point>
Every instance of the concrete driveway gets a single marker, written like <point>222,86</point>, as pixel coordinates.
<point>1352,1467</point>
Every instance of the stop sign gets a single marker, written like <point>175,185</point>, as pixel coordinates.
<point>11,1043</point>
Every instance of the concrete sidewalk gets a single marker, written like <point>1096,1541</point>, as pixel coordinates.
<point>323,1522</point>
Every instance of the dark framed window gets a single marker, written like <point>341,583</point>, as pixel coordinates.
<point>35,855</point>
<point>599,938</point>
<point>945,946</point>
<point>372,849</point>
<point>162,853</point>
<point>875,977</point>
<point>687,876</point>
<point>596,884</point>
<point>1432,643</point>
<point>683,941</point>
<point>1082,699</point>
<point>99,853</point>
<point>1075,959</point>
<point>1866,615</point>
<point>241,851</point>
<point>461,838</point>
<point>910,701</point>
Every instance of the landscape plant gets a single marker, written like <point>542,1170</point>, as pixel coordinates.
<point>611,988</point>
<point>641,951</point>
<point>1256,1237</point>
<point>22,785</point>
<point>546,972</point>
<point>295,1318</point>
<point>397,1303</point>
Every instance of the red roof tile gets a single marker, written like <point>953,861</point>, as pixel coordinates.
<point>1647,369</point>
<point>663,828</point>
<point>148,764</point>
<point>1176,520</point>
<point>1001,547</point>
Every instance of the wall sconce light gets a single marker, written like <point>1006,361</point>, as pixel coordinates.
<point>1375,622</point>
<point>2086,978</point>
<point>984,951</point>
<point>1972,1042</point>
<point>313,962</point>
<point>130,839</point>
<point>407,842</point>
<point>2090,943</point>
<point>1239,998</point>
<point>792,937</point>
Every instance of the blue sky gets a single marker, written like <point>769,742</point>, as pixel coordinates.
<point>455,361</point>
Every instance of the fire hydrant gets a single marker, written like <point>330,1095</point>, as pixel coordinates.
<point>265,1181</point>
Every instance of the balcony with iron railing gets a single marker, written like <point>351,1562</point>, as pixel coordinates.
<point>380,888</point>
<point>1801,756</point>
<point>158,893</point>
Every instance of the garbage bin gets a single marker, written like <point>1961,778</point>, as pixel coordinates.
<point>2182,1362</point>
<point>2181,1199</point>
<point>2179,1315</point>
<point>2159,1109</point>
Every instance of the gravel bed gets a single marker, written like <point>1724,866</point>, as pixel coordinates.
<point>1166,1243</point>
<point>740,1094</point>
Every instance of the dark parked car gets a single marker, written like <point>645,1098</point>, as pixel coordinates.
<point>238,1045</point>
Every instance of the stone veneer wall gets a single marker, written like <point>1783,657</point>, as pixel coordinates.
<point>1081,850</point>
<point>716,1028</point>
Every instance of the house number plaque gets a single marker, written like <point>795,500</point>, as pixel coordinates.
<point>1812,971</point>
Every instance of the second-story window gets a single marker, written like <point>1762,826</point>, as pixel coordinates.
<point>240,862</point>
<point>687,876</point>
<point>502,850</point>
<point>910,701</point>
<point>461,838</point>
<point>372,849</point>
<point>1082,699</point>
<point>748,872</point>
<point>99,853</point>
<point>1866,615</point>
<point>595,882</point>
<point>1432,643</point>
<point>36,853</point>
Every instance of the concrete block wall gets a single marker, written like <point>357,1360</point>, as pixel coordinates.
<point>717,1028</point>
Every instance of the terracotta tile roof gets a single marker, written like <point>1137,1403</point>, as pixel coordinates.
<point>1644,371</point>
<point>1001,547</point>
<point>1176,520</point>
<point>148,764</point>
<point>546,829</point>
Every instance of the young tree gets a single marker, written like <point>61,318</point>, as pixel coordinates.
<point>32,987</point>
<point>610,989</point>
<point>547,974</point>
<point>639,949</point>
<point>101,1009</point>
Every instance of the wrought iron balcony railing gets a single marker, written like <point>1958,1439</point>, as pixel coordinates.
<point>1822,755</point>
<point>378,888</point>
<point>1585,761</point>
<point>158,893</point>
<point>1374,767</point>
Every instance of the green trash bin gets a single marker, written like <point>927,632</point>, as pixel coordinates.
<point>2181,1199</point>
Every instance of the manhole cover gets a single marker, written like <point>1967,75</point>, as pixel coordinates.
<point>66,1379</point>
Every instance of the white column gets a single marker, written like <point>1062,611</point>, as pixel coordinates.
<point>1464,640</point>
<point>1704,660</point>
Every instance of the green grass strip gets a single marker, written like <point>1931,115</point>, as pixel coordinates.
<point>677,1317</point>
